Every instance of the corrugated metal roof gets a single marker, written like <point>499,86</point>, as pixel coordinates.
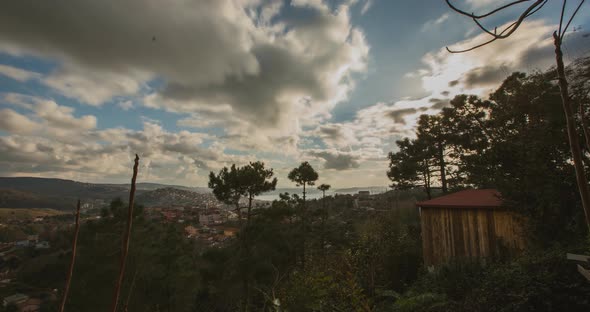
<point>485,198</point>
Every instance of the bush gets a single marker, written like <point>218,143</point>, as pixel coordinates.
<point>537,281</point>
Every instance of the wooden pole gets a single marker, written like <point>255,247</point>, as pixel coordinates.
<point>72,261</point>
<point>585,128</point>
<point>127,234</point>
<point>571,130</point>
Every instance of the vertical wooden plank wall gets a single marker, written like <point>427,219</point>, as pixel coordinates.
<point>450,233</point>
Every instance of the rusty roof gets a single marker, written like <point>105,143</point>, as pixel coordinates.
<point>485,198</point>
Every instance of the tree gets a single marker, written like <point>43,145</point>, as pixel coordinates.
<point>303,175</point>
<point>558,35</point>
<point>324,188</point>
<point>324,214</point>
<point>410,166</point>
<point>426,159</point>
<point>256,180</point>
<point>251,180</point>
<point>126,239</point>
<point>228,187</point>
<point>434,138</point>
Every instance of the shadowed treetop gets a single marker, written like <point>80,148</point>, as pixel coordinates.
<point>303,175</point>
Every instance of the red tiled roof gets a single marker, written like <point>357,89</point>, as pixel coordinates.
<point>486,198</point>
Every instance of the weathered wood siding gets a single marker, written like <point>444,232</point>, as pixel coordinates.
<point>454,233</point>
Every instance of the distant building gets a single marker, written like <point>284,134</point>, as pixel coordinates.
<point>364,194</point>
<point>210,219</point>
<point>23,243</point>
<point>468,224</point>
<point>42,245</point>
<point>30,305</point>
<point>191,231</point>
<point>15,299</point>
<point>230,232</point>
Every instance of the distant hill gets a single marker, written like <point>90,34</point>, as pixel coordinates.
<point>29,192</point>
<point>22,199</point>
<point>64,188</point>
<point>148,186</point>
<point>171,195</point>
<point>29,213</point>
<point>372,189</point>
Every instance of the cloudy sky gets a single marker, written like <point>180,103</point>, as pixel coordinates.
<point>195,85</point>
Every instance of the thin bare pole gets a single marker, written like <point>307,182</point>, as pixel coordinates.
<point>127,235</point>
<point>72,261</point>
<point>585,128</point>
<point>125,308</point>
<point>571,130</point>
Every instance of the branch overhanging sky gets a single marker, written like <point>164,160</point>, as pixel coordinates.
<point>192,86</point>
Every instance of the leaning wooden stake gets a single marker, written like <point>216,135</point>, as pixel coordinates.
<point>585,128</point>
<point>127,234</point>
<point>72,261</point>
<point>571,129</point>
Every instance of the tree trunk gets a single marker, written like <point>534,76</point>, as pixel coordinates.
<point>72,261</point>
<point>126,236</point>
<point>239,212</point>
<point>571,130</point>
<point>427,182</point>
<point>585,128</point>
<point>324,216</point>
<point>441,162</point>
<point>249,209</point>
<point>303,220</point>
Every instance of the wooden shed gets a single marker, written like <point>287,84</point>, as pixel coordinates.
<point>468,224</point>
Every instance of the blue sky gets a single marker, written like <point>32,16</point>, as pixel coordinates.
<point>192,86</point>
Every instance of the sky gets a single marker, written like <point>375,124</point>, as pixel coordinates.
<point>192,86</point>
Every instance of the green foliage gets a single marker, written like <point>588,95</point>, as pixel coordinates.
<point>324,187</point>
<point>514,142</point>
<point>410,167</point>
<point>251,180</point>
<point>257,179</point>
<point>160,274</point>
<point>421,302</point>
<point>537,281</point>
<point>325,288</point>
<point>387,254</point>
<point>303,175</point>
<point>226,185</point>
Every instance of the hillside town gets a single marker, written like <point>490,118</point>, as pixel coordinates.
<point>203,220</point>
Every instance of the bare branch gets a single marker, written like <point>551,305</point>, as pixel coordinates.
<point>127,234</point>
<point>483,15</point>
<point>571,18</point>
<point>72,261</point>
<point>561,16</point>
<point>509,30</point>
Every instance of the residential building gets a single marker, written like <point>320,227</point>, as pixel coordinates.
<point>15,299</point>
